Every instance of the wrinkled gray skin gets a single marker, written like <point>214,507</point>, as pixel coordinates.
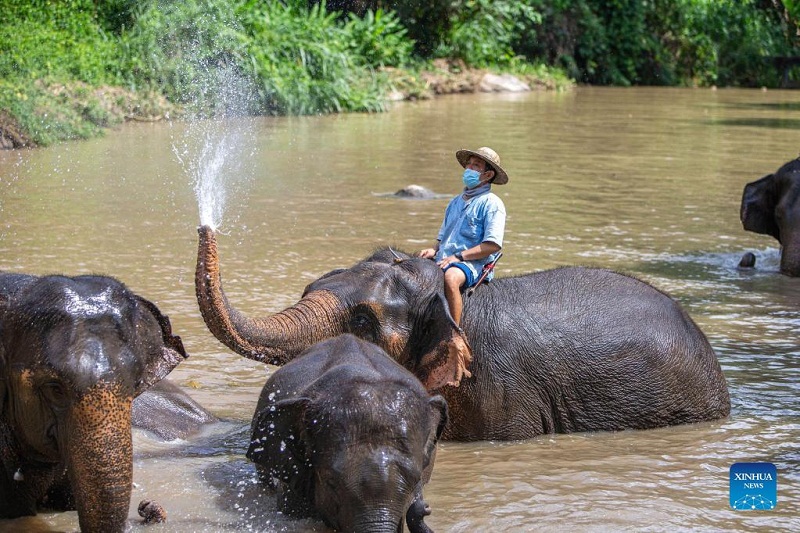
<point>167,412</point>
<point>771,205</point>
<point>559,351</point>
<point>350,436</point>
<point>74,353</point>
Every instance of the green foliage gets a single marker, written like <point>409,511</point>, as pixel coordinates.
<point>302,62</point>
<point>661,42</point>
<point>117,15</point>
<point>191,50</point>
<point>379,39</point>
<point>294,56</point>
<point>46,116</point>
<point>59,38</point>
<point>428,21</point>
<point>483,32</point>
<point>735,39</point>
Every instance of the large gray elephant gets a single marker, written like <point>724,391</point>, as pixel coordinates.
<point>564,350</point>
<point>350,436</point>
<point>74,353</point>
<point>771,205</point>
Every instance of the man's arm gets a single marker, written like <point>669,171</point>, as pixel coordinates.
<point>484,249</point>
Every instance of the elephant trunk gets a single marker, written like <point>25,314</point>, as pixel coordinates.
<point>790,253</point>
<point>378,522</point>
<point>273,340</point>
<point>99,454</point>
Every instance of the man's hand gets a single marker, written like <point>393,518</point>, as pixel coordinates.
<point>447,261</point>
<point>427,253</point>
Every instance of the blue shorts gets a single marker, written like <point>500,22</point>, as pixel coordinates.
<point>467,272</point>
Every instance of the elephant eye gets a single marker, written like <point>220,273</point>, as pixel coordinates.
<point>55,393</point>
<point>362,325</point>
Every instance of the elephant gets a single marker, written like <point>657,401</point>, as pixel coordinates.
<point>770,206</point>
<point>348,435</point>
<point>74,353</point>
<point>168,413</point>
<point>417,192</point>
<point>748,260</point>
<point>564,350</point>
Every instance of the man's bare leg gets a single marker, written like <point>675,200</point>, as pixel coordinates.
<point>454,278</point>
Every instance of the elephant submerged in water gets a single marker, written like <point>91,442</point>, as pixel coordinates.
<point>564,350</point>
<point>74,353</point>
<point>771,205</point>
<point>350,436</point>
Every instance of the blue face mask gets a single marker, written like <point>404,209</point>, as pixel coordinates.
<point>471,177</point>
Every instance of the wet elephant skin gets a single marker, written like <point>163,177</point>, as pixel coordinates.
<point>350,436</point>
<point>74,353</point>
<point>771,205</point>
<point>564,350</point>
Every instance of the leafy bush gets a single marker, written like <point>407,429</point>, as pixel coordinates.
<point>192,51</point>
<point>46,116</point>
<point>483,32</point>
<point>379,39</point>
<point>40,39</point>
<point>688,42</point>
<point>302,62</point>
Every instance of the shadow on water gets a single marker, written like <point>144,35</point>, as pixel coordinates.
<point>770,123</point>
<point>221,439</point>
<point>216,460</point>
<point>770,106</point>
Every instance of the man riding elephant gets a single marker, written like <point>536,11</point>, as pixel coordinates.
<point>471,234</point>
<point>563,350</point>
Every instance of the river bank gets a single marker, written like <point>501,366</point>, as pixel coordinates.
<point>90,111</point>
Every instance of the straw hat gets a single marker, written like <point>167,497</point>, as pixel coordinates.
<point>488,155</point>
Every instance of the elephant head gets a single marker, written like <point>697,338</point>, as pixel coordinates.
<point>771,206</point>
<point>74,352</point>
<point>394,301</point>
<point>350,437</point>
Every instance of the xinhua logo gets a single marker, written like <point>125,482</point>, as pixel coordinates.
<point>754,486</point>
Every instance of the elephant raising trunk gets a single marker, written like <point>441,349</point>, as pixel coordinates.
<point>558,351</point>
<point>418,332</point>
<point>274,340</point>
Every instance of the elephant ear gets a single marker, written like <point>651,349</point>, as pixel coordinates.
<point>9,285</point>
<point>440,351</point>
<point>159,364</point>
<point>278,442</point>
<point>758,206</point>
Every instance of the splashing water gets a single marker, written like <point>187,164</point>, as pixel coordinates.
<point>214,165</point>
<point>219,153</point>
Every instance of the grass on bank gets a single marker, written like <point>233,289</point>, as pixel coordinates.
<point>70,69</point>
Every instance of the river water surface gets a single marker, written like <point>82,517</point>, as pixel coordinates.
<point>645,181</point>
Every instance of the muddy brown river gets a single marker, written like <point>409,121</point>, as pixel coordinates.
<point>646,181</point>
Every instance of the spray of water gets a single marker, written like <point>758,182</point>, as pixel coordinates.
<point>219,153</point>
